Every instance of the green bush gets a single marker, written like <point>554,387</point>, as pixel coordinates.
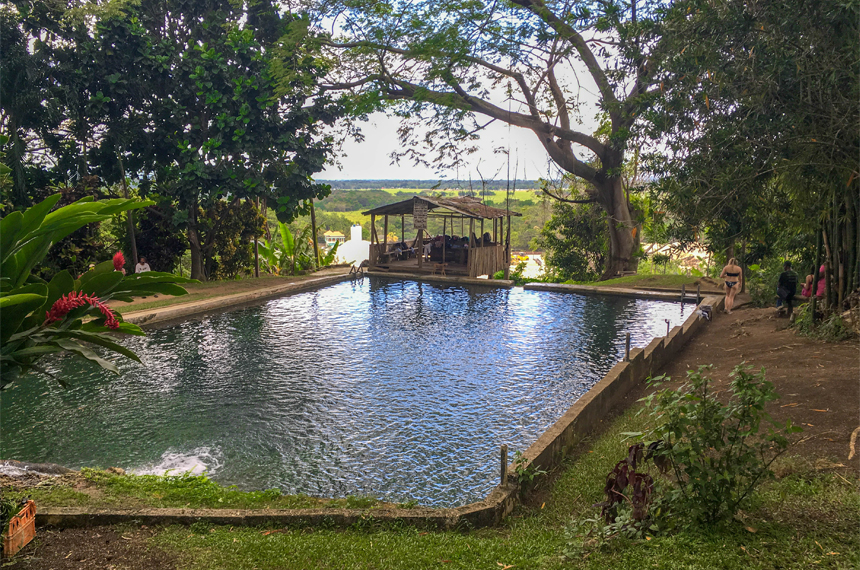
<point>831,328</point>
<point>713,453</point>
<point>762,282</point>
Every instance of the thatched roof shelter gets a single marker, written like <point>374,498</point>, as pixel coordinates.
<point>474,253</point>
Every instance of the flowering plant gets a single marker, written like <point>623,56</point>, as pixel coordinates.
<point>118,261</point>
<point>66,314</point>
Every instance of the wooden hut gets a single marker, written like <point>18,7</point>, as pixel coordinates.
<point>470,238</point>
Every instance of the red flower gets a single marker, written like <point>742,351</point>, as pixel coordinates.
<point>118,261</point>
<point>76,299</point>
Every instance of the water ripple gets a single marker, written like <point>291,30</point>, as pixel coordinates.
<point>399,390</point>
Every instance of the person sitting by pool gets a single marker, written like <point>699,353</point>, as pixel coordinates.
<point>822,281</point>
<point>806,291</point>
<point>734,279</point>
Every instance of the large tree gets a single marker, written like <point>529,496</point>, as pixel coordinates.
<point>460,60</point>
<point>759,102</point>
<point>222,126</point>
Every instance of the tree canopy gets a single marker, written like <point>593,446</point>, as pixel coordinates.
<point>457,66</point>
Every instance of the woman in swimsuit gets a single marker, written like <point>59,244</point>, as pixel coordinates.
<point>734,279</point>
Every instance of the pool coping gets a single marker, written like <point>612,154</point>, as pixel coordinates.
<point>501,283</point>
<point>674,296</point>
<point>556,443</point>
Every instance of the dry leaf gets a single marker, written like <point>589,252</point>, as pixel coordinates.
<point>751,529</point>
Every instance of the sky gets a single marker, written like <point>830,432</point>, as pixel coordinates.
<point>370,160</point>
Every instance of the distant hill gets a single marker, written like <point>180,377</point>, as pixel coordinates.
<point>428,184</point>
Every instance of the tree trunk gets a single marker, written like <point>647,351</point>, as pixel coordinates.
<point>622,242</point>
<point>314,234</point>
<point>19,178</point>
<point>197,271</point>
<point>129,215</point>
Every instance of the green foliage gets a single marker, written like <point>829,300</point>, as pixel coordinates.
<point>234,226</point>
<point>762,280</point>
<point>831,329</point>
<point>576,241</point>
<point>525,471</point>
<point>294,253</point>
<point>713,453</point>
<point>87,245</point>
<point>158,237</point>
<point>26,335</point>
<point>354,502</point>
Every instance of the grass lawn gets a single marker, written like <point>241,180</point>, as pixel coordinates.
<point>208,290</point>
<point>806,519</point>
<point>655,281</point>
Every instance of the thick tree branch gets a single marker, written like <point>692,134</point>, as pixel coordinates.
<point>400,89</point>
<point>539,9</point>
<point>569,200</point>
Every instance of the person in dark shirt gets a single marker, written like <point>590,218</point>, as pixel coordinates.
<point>786,289</point>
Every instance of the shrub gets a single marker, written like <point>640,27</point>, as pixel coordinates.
<point>713,452</point>
<point>831,329</point>
<point>762,283</point>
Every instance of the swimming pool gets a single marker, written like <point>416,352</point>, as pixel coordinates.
<point>392,389</point>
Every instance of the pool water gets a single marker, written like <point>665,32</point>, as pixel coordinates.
<point>392,389</point>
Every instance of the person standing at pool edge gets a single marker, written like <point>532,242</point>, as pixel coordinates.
<point>734,279</point>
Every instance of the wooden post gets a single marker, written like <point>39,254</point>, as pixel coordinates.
<point>627,347</point>
<point>314,227</point>
<point>385,231</point>
<point>504,465</point>
<point>420,246</point>
<point>372,259</point>
<point>508,248</point>
<point>472,267</point>
<point>444,225</point>
<point>482,232</point>
<point>683,294</point>
<point>698,294</point>
<point>403,228</point>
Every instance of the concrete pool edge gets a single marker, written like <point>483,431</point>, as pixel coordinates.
<point>616,291</point>
<point>180,311</point>
<point>585,415</point>
<point>547,452</point>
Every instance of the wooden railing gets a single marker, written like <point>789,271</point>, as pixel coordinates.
<point>487,260</point>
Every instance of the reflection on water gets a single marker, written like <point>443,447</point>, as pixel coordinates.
<point>391,389</point>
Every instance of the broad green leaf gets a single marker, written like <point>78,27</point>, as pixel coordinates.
<point>10,230</point>
<point>74,347</point>
<point>34,216</point>
<point>100,339</point>
<point>101,284</point>
<point>102,268</point>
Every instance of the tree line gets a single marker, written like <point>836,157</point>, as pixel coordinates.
<point>721,121</point>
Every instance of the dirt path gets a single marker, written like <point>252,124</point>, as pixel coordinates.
<point>819,382</point>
